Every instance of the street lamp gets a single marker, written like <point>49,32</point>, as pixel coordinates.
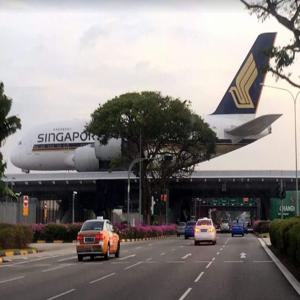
<point>136,160</point>
<point>295,124</point>
<point>73,206</point>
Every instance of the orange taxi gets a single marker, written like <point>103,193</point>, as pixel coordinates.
<point>97,237</point>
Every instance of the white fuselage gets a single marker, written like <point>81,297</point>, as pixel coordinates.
<point>53,146</point>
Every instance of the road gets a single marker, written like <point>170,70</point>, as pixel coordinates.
<point>234,268</point>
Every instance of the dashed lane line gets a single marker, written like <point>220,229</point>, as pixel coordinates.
<point>162,254</point>
<point>62,294</point>
<point>67,258</point>
<point>148,259</point>
<point>128,256</point>
<point>102,278</point>
<point>185,293</point>
<point>11,279</point>
<point>57,268</point>
<point>218,253</point>
<point>209,264</point>
<point>132,266</point>
<point>186,256</point>
<point>198,278</point>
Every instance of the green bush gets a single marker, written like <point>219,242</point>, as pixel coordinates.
<point>284,227</point>
<point>7,238</point>
<point>274,232</point>
<point>293,246</point>
<point>15,236</point>
<point>53,232</point>
<point>261,226</point>
<point>72,230</point>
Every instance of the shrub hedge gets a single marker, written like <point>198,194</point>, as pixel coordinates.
<point>15,236</point>
<point>261,226</point>
<point>19,236</point>
<point>285,237</point>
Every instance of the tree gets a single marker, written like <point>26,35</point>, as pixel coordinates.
<point>8,126</point>
<point>286,12</point>
<point>173,138</point>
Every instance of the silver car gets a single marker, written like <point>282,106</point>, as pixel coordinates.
<point>180,228</point>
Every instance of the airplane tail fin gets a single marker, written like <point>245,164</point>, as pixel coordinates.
<point>243,94</point>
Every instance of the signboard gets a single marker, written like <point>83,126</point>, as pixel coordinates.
<point>25,206</point>
<point>288,206</point>
<point>229,202</point>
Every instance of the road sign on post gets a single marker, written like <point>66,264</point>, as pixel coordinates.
<point>25,206</point>
<point>45,212</point>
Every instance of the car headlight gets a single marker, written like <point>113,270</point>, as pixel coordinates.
<point>197,230</point>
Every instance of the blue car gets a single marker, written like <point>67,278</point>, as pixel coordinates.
<point>237,228</point>
<point>189,229</point>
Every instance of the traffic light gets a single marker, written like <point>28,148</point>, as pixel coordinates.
<point>163,197</point>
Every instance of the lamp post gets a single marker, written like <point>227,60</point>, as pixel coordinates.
<point>295,131</point>
<point>136,160</point>
<point>73,206</point>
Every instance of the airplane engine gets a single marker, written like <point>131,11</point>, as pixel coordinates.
<point>112,150</point>
<point>85,159</point>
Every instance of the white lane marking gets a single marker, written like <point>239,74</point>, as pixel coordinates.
<point>213,258</point>
<point>101,278</point>
<point>181,247</point>
<point>11,279</point>
<point>62,294</point>
<point>163,253</point>
<point>139,247</point>
<point>263,261</point>
<point>125,257</point>
<point>221,249</point>
<point>226,241</point>
<point>185,293</point>
<point>209,264</point>
<point>57,268</point>
<point>243,255</point>
<point>149,245</point>
<point>198,278</point>
<point>132,266</point>
<point>186,256</point>
<point>218,253</point>
<point>67,258</point>
<point>148,259</point>
<point>26,262</point>
<point>173,249</point>
<point>233,261</point>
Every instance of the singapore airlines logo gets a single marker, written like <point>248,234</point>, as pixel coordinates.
<point>243,82</point>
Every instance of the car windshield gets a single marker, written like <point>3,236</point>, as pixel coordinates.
<point>191,223</point>
<point>204,222</point>
<point>94,225</point>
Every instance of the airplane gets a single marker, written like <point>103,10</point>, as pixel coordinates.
<point>66,146</point>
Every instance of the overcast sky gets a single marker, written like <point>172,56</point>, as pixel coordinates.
<point>60,59</point>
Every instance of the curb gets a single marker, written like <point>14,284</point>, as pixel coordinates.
<point>16,252</point>
<point>286,273</point>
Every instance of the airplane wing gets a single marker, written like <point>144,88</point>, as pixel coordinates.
<point>254,127</point>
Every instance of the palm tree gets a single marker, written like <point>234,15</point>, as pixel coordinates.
<point>8,126</point>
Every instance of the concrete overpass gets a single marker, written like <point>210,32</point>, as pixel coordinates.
<point>103,191</point>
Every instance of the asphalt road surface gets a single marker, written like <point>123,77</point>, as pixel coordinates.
<point>235,268</point>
